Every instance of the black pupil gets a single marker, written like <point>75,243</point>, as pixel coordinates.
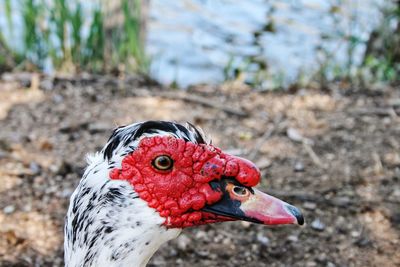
<point>163,162</point>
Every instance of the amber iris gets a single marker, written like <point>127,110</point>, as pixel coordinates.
<point>163,163</point>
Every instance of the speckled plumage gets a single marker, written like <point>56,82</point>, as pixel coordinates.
<point>107,224</point>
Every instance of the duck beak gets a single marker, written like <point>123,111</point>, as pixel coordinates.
<point>270,210</point>
<point>252,205</point>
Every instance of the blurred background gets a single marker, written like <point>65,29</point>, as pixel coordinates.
<point>309,90</point>
<point>267,44</point>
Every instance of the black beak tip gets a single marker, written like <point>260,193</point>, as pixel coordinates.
<point>296,213</point>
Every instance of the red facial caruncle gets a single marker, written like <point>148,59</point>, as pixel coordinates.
<point>177,178</point>
<point>180,192</point>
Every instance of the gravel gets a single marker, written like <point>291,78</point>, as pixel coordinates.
<point>346,181</point>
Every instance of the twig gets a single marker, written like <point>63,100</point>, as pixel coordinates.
<point>378,167</point>
<point>200,100</point>
<point>267,134</point>
<point>313,155</point>
<point>375,112</point>
<point>254,151</point>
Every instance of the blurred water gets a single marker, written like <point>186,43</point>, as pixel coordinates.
<point>193,41</point>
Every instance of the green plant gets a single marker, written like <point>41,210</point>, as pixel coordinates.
<point>94,47</point>
<point>33,47</point>
<point>76,18</point>
<point>131,44</point>
<point>382,69</point>
<point>8,11</point>
<point>382,56</point>
<point>8,58</point>
<point>53,29</point>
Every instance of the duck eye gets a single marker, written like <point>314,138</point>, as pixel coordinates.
<point>163,163</point>
<point>241,191</point>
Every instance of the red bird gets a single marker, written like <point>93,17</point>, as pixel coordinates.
<point>151,180</point>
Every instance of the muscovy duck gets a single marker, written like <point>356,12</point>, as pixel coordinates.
<point>151,180</point>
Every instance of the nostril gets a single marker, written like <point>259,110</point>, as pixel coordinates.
<point>241,191</point>
<point>296,213</point>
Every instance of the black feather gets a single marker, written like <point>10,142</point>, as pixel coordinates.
<point>128,134</point>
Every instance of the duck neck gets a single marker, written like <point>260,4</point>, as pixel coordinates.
<point>109,225</point>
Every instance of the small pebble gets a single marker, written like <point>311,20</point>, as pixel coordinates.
<point>27,207</point>
<point>58,98</point>
<point>310,205</point>
<point>202,252</point>
<point>299,167</point>
<point>9,209</point>
<point>46,84</point>
<point>254,248</point>
<point>317,225</point>
<point>263,163</point>
<point>262,239</point>
<point>293,238</point>
<point>245,224</point>
<point>201,235</point>
<point>173,252</point>
<point>35,168</point>
<point>321,257</point>
<point>363,242</point>
<point>355,233</point>
<point>294,135</point>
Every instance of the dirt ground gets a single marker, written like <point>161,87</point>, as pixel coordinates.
<point>335,155</point>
